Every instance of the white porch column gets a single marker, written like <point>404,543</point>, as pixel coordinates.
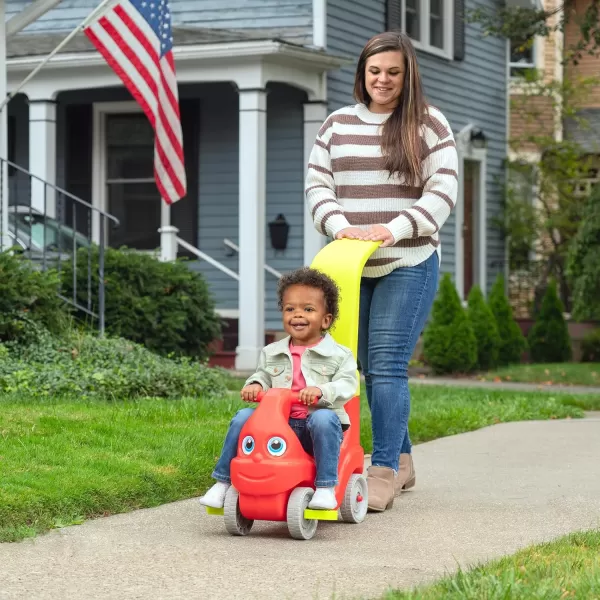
<point>315,114</point>
<point>168,234</point>
<point>42,154</point>
<point>252,216</point>
<point>4,239</point>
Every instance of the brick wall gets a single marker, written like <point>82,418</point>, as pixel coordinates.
<point>588,65</point>
<point>530,116</point>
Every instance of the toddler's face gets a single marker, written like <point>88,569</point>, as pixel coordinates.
<point>305,314</point>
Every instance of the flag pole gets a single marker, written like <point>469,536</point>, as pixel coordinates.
<point>96,13</point>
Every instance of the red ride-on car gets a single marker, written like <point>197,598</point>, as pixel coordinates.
<point>272,476</point>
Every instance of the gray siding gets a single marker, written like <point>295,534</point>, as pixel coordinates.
<point>218,185</point>
<point>350,25</point>
<point>288,18</point>
<point>285,185</point>
<point>473,90</point>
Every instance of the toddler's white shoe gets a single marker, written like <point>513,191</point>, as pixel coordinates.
<point>323,499</point>
<point>215,497</point>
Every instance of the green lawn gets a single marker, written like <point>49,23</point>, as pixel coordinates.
<point>66,460</point>
<point>566,568</point>
<point>562,373</point>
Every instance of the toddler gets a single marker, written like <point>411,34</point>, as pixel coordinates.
<point>310,362</point>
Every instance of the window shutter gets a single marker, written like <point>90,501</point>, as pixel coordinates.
<point>459,30</point>
<point>394,16</point>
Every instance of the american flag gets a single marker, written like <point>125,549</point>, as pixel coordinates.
<point>135,38</point>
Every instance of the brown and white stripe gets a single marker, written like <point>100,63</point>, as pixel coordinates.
<point>347,185</point>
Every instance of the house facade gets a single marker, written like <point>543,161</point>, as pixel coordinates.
<point>537,120</point>
<point>256,81</point>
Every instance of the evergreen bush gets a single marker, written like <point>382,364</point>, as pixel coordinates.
<point>166,306</point>
<point>548,339</point>
<point>449,344</point>
<point>485,329</point>
<point>584,262</point>
<point>28,296</point>
<point>512,340</point>
<point>590,346</point>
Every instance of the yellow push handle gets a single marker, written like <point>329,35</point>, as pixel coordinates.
<point>343,260</point>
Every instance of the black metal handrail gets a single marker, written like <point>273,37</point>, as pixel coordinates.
<point>27,219</point>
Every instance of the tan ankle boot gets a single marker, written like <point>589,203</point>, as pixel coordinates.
<point>406,477</point>
<point>380,481</point>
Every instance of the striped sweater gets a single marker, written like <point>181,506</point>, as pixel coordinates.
<point>347,185</point>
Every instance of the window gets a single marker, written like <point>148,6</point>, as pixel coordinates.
<point>584,187</point>
<point>522,57</point>
<point>131,190</point>
<point>429,23</point>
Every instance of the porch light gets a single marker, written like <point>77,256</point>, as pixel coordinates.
<point>478,139</point>
<point>278,230</point>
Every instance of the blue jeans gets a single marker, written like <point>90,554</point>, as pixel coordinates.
<point>320,435</point>
<point>393,312</point>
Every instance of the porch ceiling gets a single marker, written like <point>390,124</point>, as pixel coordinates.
<point>200,54</point>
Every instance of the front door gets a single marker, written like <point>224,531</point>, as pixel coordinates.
<point>470,172</point>
<point>131,193</point>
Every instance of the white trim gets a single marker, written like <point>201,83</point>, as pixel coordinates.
<point>252,217</point>
<point>298,67</point>
<point>5,241</point>
<point>424,44</point>
<point>517,84</point>
<point>315,114</point>
<point>42,155</point>
<point>228,313</point>
<point>201,52</point>
<point>99,200</point>
<point>467,152</point>
<point>319,14</point>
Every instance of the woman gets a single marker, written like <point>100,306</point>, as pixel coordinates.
<point>385,170</point>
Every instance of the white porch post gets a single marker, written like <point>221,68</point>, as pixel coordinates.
<point>42,154</point>
<point>168,234</point>
<point>252,209</point>
<point>315,114</point>
<point>4,239</point>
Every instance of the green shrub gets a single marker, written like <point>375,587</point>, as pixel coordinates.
<point>449,344</point>
<point>110,368</point>
<point>590,346</point>
<point>28,296</point>
<point>512,340</point>
<point>548,339</point>
<point>165,306</point>
<point>485,330</point>
<point>583,264</point>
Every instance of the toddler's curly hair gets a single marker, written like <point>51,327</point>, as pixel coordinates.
<point>314,279</point>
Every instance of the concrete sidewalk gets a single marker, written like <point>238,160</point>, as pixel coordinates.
<point>479,495</point>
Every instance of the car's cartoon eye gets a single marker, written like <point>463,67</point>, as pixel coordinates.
<point>247,444</point>
<point>276,446</point>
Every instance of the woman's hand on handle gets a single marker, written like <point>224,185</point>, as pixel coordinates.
<point>250,392</point>
<point>351,233</point>
<point>379,233</point>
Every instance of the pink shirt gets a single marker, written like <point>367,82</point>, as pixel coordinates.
<point>298,411</point>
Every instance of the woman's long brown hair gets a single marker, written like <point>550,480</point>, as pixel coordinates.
<point>401,135</point>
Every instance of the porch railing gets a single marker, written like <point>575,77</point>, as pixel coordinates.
<point>268,268</point>
<point>50,225</point>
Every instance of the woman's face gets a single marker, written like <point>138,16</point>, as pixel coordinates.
<point>384,78</point>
